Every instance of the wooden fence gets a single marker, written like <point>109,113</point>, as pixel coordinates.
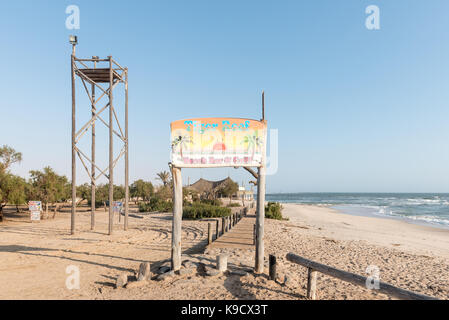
<point>314,267</point>
<point>226,224</point>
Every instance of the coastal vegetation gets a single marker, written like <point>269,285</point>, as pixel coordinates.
<point>273,210</point>
<point>54,190</point>
<point>200,210</point>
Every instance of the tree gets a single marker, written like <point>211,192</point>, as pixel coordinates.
<point>8,156</point>
<point>12,190</point>
<point>229,189</point>
<point>84,192</point>
<point>164,192</point>
<point>102,195</point>
<point>119,193</point>
<point>48,187</point>
<point>164,176</point>
<point>18,194</point>
<point>142,189</point>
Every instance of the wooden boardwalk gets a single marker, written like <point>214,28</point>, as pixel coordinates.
<point>241,236</point>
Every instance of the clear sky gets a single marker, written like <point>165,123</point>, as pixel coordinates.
<point>356,109</point>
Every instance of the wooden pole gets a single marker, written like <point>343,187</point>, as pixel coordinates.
<point>209,233</point>
<point>260,211</point>
<point>72,218</point>
<point>272,267</point>
<point>223,226</point>
<point>222,262</point>
<point>92,182</point>
<point>263,105</point>
<point>177,219</point>
<point>311,283</point>
<point>126,153</point>
<point>355,278</point>
<point>216,230</point>
<point>111,149</point>
<point>260,217</point>
<point>254,234</point>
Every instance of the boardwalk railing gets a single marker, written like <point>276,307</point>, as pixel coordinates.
<point>226,225</point>
<point>314,267</point>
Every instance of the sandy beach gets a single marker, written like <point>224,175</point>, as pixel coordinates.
<point>34,257</point>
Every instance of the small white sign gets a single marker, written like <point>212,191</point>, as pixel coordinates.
<point>35,208</point>
<point>35,215</point>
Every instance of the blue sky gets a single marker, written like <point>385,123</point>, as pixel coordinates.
<point>356,109</point>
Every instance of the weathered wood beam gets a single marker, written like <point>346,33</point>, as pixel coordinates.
<point>355,279</point>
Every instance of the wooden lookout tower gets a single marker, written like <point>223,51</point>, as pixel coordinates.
<point>99,78</point>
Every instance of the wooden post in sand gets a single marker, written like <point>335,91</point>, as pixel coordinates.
<point>222,262</point>
<point>260,216</point>
<point>254,234</point>
<point>223,225</point>
<point>209,233</point>
<point>272,267</point>
<point>216,230</point>
<point>177,219</point>
<point>260,212</point>
<point>311,283</point>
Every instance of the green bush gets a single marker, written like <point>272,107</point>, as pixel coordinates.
<point>274,211</point>
<point>156,204</point>
<point>212,202</point>
<point>200,211</point>
<point>233,205</point>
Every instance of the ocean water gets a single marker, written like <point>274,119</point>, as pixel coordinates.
<point>422,208</point>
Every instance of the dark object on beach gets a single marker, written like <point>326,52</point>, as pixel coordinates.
<point>272,269</point>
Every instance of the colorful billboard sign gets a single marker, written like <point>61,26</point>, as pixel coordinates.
<point>218,142</point>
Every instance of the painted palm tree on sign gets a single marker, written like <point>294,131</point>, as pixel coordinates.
<point>253,142</point>
<point>182,142</point>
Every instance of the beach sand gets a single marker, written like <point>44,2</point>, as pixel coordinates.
<point>34,257</point>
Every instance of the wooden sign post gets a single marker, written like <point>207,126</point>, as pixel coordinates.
<point>217,142</point>
<point>177,219</point>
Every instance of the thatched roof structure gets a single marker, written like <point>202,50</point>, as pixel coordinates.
<point>208,187</point>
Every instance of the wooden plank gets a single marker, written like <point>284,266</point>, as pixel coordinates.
<point>357,279</point>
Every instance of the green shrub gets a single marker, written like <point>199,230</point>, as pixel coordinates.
<point>212,202</point>
<point>156,204</point>
<point>233,205</point>
<point>274,211</point>
<point>200,211</point>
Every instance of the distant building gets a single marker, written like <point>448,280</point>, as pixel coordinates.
<point>209,189</point>
<point>248,195</point>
